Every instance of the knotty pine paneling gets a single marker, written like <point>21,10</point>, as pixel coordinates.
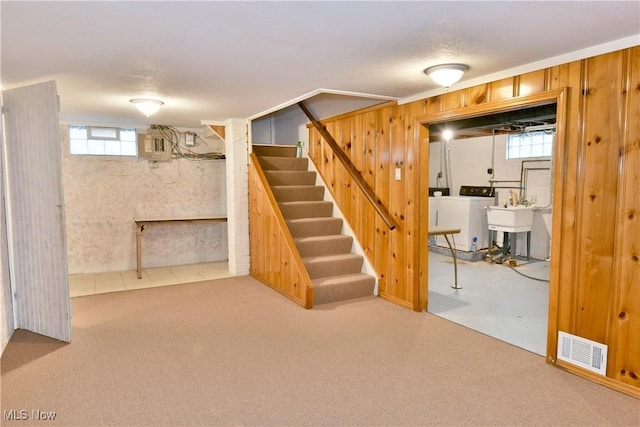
<point>274,258</point>
<point>336,166</point>
<point>421,144</point>
<point>501,89</point>
<point>370,136</point>
<point>534,82</point>
<point>566,178</point>
<point>475,95</point>
<point>558,76</point>
<point>595,279</point>
<point>315,146</point>
<point>357,154</point>
<point>329,162</point>
<point>397,140</point>
<point>345,180</point>
<point>357,144</point>
<point>625,317</point>
<point>600,142</point>
<point>382,258</point>
<point>412,192</point>
<point>453,100</point>
<point>435,104</point>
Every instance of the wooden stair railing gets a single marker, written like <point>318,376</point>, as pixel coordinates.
<point>275,259</point>
<point>352,170</point>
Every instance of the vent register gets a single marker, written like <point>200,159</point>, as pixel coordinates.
<point>582,352</point>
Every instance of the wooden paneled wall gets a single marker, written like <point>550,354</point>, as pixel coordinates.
<point>275,260</point>
<point>595,268</point>
<point>376,141</point>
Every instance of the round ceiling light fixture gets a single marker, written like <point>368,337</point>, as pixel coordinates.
<point>147,106</point>
<point>446,74</point>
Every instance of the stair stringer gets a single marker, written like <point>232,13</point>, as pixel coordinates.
<point>367,266</point>
<point>283,272</point>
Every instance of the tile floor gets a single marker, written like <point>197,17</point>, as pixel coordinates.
<point>494,299</point>
<point>99,283</point>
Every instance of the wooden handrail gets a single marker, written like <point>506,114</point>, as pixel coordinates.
<point>355,173</point>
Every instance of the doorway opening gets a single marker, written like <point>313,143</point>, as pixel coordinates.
<point>503,281</point>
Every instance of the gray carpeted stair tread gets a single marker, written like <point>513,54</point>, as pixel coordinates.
<point>323,226</point>
<point>333,265</point>
<point>274,150</point>
<point>278,177</point>
<point>338,288</point>
<point>335,271</point>
<point>306,209</point>
<point>284,163</point>
<point>324,245</point>
<point>291,193</point>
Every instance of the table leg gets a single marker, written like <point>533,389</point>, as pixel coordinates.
<point>514,240</point>
<point>505,245</point>
<point>455,264</point>
<point>139,230</point>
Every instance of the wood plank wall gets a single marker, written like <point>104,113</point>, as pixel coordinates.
<point>275,260</point>
<point>595,279</point>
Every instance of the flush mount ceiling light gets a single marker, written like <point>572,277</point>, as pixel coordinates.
<point>447,74</point>
<point>147,106</point>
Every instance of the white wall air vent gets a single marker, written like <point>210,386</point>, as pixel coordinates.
<point>582,352</point>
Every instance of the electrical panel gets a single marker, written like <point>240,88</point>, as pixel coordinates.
<point>154,146</point>
<point>190,139</point>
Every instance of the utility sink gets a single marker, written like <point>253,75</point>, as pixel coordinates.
<point>510,219</point>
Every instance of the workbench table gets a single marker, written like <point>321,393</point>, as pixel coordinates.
<point>140,223</point>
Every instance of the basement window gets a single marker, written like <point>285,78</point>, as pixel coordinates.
<point>530,144</point>
<point>102,141</point>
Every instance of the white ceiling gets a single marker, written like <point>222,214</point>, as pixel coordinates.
<point>210,60</point>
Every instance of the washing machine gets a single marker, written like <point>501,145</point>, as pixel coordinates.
<point>467,212</point>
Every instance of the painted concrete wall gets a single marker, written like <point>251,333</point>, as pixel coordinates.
<point>103,195</point>
<point>236,151</point>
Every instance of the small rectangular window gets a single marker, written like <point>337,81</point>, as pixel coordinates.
<point>530,144</point>
<point>102,141</point>
<point>103,133</point>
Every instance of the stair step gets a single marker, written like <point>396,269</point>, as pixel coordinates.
<point>338,288</point>
<point>284,163</point>
<point>336,273</point>
<point>274,150</point>
<point>277,177</point>
<point>324,245</point>
<point>306,209</point>
<point>333,265</point>
<point>292,193</point>
<point>304,227</point>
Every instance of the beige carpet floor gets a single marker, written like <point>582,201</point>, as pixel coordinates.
<point>234,352</point>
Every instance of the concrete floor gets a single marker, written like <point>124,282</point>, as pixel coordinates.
<point>494,299</point>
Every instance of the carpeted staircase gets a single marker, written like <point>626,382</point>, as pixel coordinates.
<point>335,271</point>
